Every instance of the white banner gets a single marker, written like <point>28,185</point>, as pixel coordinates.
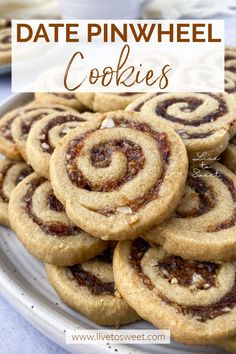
<point>118,56</point>
<point>133,336</point>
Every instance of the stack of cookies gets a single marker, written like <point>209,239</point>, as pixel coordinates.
<point>128,200</point>
<point>5,42</point>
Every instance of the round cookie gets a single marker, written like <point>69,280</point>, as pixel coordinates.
<point>45,135</point>
<point>230,70</point>
<point>204,225</point>
<point>205,122</point>
<point>5,46</point>
<point>195,300</point>
<point>67,99</point>
<point>229,345</point>
<point>105,102</point>
<point>89,288</point>
<point>122,172</point>
<point>41,224</point>
<point>7,144</point>
<point>229,155</point>
<point>11,173</point>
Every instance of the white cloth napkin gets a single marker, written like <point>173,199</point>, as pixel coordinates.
<point>173,9</point>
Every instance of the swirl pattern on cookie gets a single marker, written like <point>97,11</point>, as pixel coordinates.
<point>67,99</point>
<point>195,300</point>
<point>45,135</point>
<point>40,221</point>
<point>205,122</point>
<point>105,102</point>
<point>7,144</point>
<point>5,46</point>
<point>204,225</point>
<point>121,172</point>
<point>230,70</point>
<point>229,155</point>
<point>11,173</point>
<point>90,289</point>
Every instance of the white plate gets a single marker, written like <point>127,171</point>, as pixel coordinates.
<point>5,69</point>
<point>23,283</point>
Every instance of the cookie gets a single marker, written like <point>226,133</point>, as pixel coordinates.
<point>7,144</point>
<point>195,300</point>
<point>89,288</point>
<point>122,172</point>
<point>230,70</point>
<point>5,46</point>
<point>204,225</point>
<point>229,345</point>
<point>11,173</point>
<point>205,122</point>
<point>41,224</point>
<point>105,102</point>
<point>45,135</point>
<point>229,155</point>
<point>5,23</point>
<point>67,99</point>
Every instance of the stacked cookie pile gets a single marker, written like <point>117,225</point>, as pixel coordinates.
<point>5,42</point>
<point>127,199</point>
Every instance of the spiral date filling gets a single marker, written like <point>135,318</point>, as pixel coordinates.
<point>6,40</point>
<point>206,196</point>
<point>233,140</point>
<point>26,125</point>
<point>101,157</point>
<point>5,129</point>
<point>44,136</point>
<point>51,228</point>
<point>22,174</point>
<point>200,275</point>
<point>182,270</point>
<point>6,23</point>
<point>190,104</point>
<point>68,96</point>
<point>230,222</point>
<point>230,84</point>
<point>3,174</point>
<point>93,283</point>
<point>208,200</point>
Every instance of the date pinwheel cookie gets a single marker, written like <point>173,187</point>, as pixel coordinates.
<point>205,122</point>
<point>120,171</point>
<point>67,99</point>
<point>5,46</point>
<point>105,102</point>
<point>11,173</point>
<point>45,135</point>
<point>229,345</point>
<point>195,300</point>
<point>230,70</point>
<point>89,288</point>
<point>41,224</point>
<point>229,155</point>
<point>25,116</point>
<point>204,225</point>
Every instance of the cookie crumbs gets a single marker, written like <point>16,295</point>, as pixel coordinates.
<point>124,210</point>
<point>174,281</point>
<point>108,123</point>
<point>45,146</point>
